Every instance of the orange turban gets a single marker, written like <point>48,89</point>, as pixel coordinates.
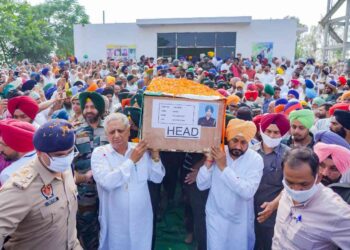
<point>236,127</point>
<point>92,87</point>
<point>232,99</point>
<point>346,95</point>
<point>110,80</point>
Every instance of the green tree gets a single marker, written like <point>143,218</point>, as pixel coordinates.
<point>62,15</point>
<point>23,35</point>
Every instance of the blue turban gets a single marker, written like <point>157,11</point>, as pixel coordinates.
<point>309,84</point>
<point>60,114</point>
<point>294,92</point>
<point>53,136</point>
<point>310,93</point>
<point>28,85</point>
<point>99,90</point>
<point>281,101</point>
<point>45,71</point>
<point>329,137</point>
<point>35,76</point>
<point>49,92</point>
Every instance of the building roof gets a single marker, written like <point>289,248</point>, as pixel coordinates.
<point>194,20</point>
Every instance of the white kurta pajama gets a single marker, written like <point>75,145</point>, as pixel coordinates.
<point>230,209</point>
<point>125,209</point>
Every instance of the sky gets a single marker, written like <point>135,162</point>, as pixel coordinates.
<point>309,12</point>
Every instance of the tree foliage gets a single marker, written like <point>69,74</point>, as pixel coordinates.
<point>36,32</point>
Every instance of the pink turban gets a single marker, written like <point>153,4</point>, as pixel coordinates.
<point>339,154</point>
<point>280,120</point>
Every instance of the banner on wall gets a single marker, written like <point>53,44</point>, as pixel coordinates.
<point>263,50</point>
<point>121,51</point>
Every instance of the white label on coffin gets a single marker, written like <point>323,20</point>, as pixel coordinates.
<point>182,132</point>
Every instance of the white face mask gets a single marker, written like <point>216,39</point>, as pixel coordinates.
<point>61,164</point>
<point>270,142</point>
<point>301,196</point>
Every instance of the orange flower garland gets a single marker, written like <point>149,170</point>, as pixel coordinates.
<point>180,87</point>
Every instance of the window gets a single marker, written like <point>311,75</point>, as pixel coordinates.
<point>225,52</point>
<point>166,52</point>
<point>166,40</point>
<point>186,39</point>
<point>205,39</point>
<point>226,39</point>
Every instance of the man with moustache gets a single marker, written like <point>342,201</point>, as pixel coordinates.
<point>88,136</point>
<point>323,116</point>
<point>340,124</point>
<point>233,180</point>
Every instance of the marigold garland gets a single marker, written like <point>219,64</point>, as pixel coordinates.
<point>180,87</point>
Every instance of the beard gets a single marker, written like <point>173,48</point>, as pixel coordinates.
<point>13,157</point>
<point>323,116</point>
<point>236,152</point>
<point>327,181</point>
<point>67,106</point>
<point>299,138</point>
<point>91,117</point>
<point>341,132</point>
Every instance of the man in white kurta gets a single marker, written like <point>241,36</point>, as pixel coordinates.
<point>233,178</point>
<point>121,171</point>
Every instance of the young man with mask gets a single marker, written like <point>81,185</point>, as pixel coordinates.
<point>309,215</point>
<point>233,180</point>
<point>272,129</point>
<point>38,204</point>
<point>89,136</point>
<point>300,122</point>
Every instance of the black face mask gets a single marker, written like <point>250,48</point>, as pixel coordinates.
<point>326,181</point>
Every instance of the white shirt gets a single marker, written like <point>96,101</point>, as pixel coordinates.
<point>225,66</point>
<point>132,88</point>
<point>14,166</point>
<point>321,223</point>
<point>125,209</point>
<point>267,78</point>
<point>230,207</point>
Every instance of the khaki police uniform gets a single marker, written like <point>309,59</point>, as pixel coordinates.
<point>38,210</point>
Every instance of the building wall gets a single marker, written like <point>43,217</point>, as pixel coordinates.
<point>92,39</point>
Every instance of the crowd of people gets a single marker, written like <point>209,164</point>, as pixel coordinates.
<point>75,173</point>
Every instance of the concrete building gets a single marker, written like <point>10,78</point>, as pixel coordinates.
<point>174,37</point>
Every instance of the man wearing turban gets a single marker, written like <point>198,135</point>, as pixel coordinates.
<point>38,203</point>
<point>300,123</point>
<point>334,161</point>
<point>233,175</point>
<point>272,129</point>
<point>340,124</point>
<point>89,135</point>
<point>232,103</point>
<point>23,108</point>
<point>16,145</point>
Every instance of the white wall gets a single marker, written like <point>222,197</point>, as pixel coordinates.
<point>92,39</point>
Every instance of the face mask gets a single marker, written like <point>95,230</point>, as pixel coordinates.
<point>61,164</point>
<point>270,142</point>
<point>301,196</point>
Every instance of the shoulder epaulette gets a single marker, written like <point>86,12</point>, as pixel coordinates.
<point>24,177</point>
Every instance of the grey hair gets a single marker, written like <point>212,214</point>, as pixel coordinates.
<point>116,117</point>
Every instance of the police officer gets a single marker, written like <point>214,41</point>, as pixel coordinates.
<point>89,135</point>
<point>38,204</point>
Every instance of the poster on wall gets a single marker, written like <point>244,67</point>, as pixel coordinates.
<point>263,50</point>
<point>120,52</point>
